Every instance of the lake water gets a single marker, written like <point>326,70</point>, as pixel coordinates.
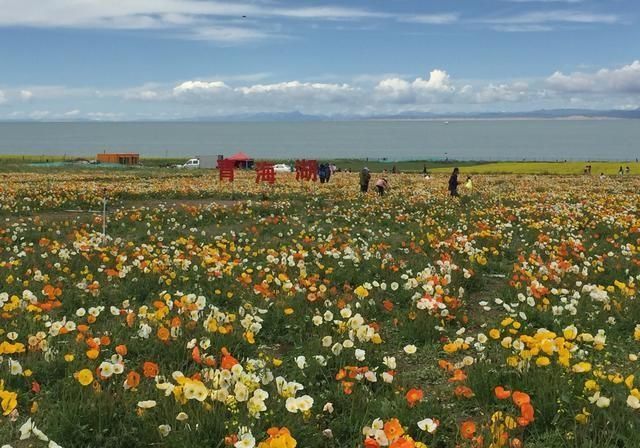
<point>395,140</point>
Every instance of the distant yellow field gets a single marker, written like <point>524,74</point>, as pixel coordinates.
<point>608,168</point>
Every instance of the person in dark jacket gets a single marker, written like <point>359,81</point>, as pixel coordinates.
<point>323,173</point>
<point>453,182</point>
<point>365,177</point>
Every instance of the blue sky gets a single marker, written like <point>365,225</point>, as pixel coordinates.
<point>138,59</point>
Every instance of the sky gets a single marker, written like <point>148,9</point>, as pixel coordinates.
<point>176,59</point>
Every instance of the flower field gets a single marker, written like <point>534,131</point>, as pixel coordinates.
<point>309,315</point>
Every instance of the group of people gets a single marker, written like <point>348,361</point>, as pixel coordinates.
<point>382,184</point>
<point>454,183</point>
<point>622,172</point>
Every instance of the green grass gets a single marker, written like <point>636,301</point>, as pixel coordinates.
<point>17,159</point>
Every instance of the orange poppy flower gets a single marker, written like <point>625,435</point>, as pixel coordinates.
<point>527,412</point>
<point>121,350</point>
<point>403,442</point>
<point>458,375</point>
<point>133,379</point>
<point>228,361</point>
<point>468,429</point>
<point>210,361</point>
<point>347,387</point>
<point>445,365</point>
<point>371,443</point>
<point>501,393</point>
<point>463,391</point>
<point>150,369</point>
<point>176,322</point>
<point>131,319</point>
<point>393,429</point>
<point>163,334</point>
<point>523,421</point>
<point>414,396</point>
<point>520,398</point>
<point>195,354</point>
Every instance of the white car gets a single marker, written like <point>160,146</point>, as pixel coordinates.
<point>281,168</point>
<point>191,163</point>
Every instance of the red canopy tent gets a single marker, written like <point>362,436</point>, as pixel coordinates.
<point>242,160</point>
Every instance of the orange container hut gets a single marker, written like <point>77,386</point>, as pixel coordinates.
<point>120,158</point>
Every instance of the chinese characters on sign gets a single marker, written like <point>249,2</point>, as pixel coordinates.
<point>265,172</point>
<point>306,170</point>
<point>226,168</point>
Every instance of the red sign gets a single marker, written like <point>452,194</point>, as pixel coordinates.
<point>226,168</point>
<point>307,170</point>
<point>265,172</point>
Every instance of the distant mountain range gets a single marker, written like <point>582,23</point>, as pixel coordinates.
<point>551,114</point>
<point>295,116</point>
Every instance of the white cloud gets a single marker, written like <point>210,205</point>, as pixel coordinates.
<point>326,12</point>
<point>439,81</point>
<point>432,19</point>
<point>142,95</point>
<point>200,88</point>
<point>543,21</point>
<point>219,21</point>
<point>522,28</point>
<point>283,96</point>
<point>555,16</point>
<point>625,79</point>
<point>395,89</point>
<point>242,21</point>
<point>497,93</point>
<point>367,94</point>
<point>319,90</point>
<point>26,95</point>
<point>230,34</point>
<point>434,89</point>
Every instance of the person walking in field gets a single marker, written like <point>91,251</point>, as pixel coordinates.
<point>382,186</point>
<point>365,178</point>
<point>453,182</point>
<point>324,173</point>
